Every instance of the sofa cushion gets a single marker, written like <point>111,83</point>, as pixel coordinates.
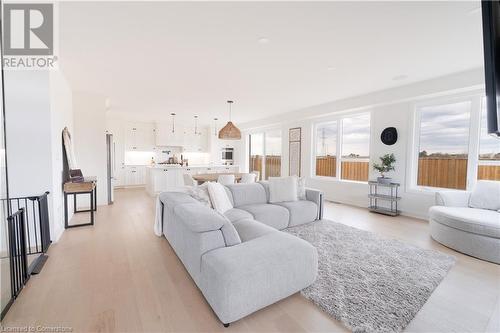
<point>219,198</point>
<point>247,194</point>
<point>235,214</point>
<point>239,280</point>
<point>200,193</point>
<point>282,189</point>
<point>199,218</point>
<point>301,188</point>
<point>229,195</point>
<point>265,185</point>
<point>302,211</point>
<point>486,195</point>
<point>479,221</point>
<point>249,229</point>
<point>274,216</point>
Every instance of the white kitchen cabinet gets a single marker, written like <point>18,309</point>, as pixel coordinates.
<point>160,179</point>
<point>227,169</point>
<point>130,176</point>
<point>119,176</point>
<point>191,171</point>
<point>139,137</point>
<point>141,175</point>
<point>165,137</point>
<point>196,142</point>
<point>183,136</point>
<point>164,179</point>
<point>134,175</point>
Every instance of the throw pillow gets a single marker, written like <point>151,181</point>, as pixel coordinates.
<point>486,195</point>
<point>301,188</point>
<point>219,197</point>
<point>200,193</point>
<point>282,189</point>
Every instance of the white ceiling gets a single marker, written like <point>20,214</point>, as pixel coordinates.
<point>155,58</point>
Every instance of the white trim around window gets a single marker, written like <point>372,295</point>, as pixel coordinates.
<point>264,131</point>
<point>338,119</point>
<point>473,141</point>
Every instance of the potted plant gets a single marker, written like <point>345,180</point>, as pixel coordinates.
<point>386,164</point>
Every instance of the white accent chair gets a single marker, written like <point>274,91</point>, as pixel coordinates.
<point>226,179</point>
<point>188,180</point>
<point>248,178</point>
<point>469,222</point>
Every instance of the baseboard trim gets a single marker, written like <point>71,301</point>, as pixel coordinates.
<point>403,213</point>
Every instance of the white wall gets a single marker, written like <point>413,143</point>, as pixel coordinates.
<point>28,125</point>
<point>34,125</point>
<point>391,107</point>
<point>61,116</point>
<point>89,140</point>
<point>28,140</point>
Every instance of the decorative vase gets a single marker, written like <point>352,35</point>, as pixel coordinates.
<point>384,180</point>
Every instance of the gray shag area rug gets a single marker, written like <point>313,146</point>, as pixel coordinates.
<point>369,283</point>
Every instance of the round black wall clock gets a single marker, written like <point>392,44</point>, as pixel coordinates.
<point>389,136</point>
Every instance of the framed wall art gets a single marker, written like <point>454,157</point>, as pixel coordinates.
<point>294,150</point>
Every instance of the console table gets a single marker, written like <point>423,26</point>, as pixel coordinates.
<point>384,192</point>
<point>88,186</point>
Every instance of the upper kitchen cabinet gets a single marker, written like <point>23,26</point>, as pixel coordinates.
<point>139,136</point>
<point>196,141</point>
<point>168,135</point>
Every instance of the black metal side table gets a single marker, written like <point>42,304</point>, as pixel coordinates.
<point>386,193</point>
<point>88,186</point>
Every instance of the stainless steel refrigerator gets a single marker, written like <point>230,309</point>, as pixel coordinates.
<point>110,149</point>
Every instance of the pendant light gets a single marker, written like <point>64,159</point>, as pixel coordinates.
<point>173,122</point>
<point>215,126</point>
<point>230,131</point>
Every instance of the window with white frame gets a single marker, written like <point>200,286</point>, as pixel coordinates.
<point>326,149</point>
<point>349,135</point>
<point>265,153</point>
<point>272,161</point>
<point>489,150</point>
<point>256,158</point>
<point>355,147</point>
<point>443,143</point>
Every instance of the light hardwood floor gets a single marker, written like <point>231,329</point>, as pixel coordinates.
<point>118,276</point>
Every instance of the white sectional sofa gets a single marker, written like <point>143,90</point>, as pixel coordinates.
<point>469,222</point>
<point>240,260</point>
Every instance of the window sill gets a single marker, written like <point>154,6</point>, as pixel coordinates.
<point>325,178</point>
<point>335,179</point>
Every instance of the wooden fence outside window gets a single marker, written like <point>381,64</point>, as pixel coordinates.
<point>434,172</point>
<point>273,165</point>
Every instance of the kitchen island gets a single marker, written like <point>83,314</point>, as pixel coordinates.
<point>166,177</point>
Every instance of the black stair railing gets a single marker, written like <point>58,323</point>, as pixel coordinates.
<point>36,227</point>
<point>36,219</point>
<point>17,252</point>
<point>29,239</point>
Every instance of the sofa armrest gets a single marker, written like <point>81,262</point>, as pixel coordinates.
<point>316,196</point>
<point>241,279</point>
<point>452,198</point>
